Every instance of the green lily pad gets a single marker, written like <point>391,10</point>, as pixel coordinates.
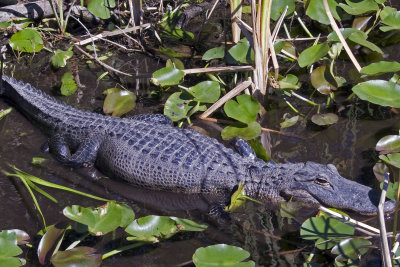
<point>77,257</point>
<point>205,92</point>
<point>244,109</point>
<point>68,85</point>
<point>118,102</point>
<point>388,144</point>
<point>4,112</point>
<point>241,53</point>
<point>289,82</point>
<point>221,255</point>
<point>324,119</point>
<point>278,6</point>
<point>325,228</point>
<point>316,11</point>
<point>59,59</point>
<point>49,240</point>
<point>391,18</point>
<point>27,40</point>
<point>391,159</point>
<point>352,248</point>
<point>175,63</point>
<point>101,8</point>
<point>319,80</point>
<point>214,53</point>
<point>359,7</point>
<point>168,76</point>
<point>312,54</point>
<point>9,249</point>
<point>381,67</point>
<point>100,220</point>
<point>379,92</point>
<point>241,130</point>
<point>177,106</point>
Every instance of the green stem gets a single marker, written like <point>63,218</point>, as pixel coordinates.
<point>303,25</point>
<point>116,251</point>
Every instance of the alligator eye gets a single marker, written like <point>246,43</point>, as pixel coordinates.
<point>321,181</point>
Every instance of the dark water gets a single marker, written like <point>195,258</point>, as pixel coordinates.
<point>271,238</point>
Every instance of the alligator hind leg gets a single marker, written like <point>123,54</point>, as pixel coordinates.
<point>154,118</point>
<point>84,155</point>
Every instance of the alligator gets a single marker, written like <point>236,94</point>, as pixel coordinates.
<point>149,152</point>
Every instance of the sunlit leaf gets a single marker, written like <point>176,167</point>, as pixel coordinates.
<point>177,106</point>
<point>68,85</point>
<point>237,201</point>
<point>119,102</point>
<point>9,249</point>
<point>288,122</point>
<point>205,92</point>
<point>27,40</point>
<point>324,119</point>
<point>391,18</point>
<point>244,109</point>
<point>379,92</point>
<point>168,76</point>
<point>241,130</point>
<point>77,257</point>
<point>313,54</point>
<point>359,7</point>
<point>240,53</point>
<point>4,112</point>
<point>175,63</point>
<point>352,248</point>
<point>381,67</point>
<point>278,6</point>
<point>59,59</point>
<point>391,159</point>
<point>101,8</point>
<point>316,11</point>
<point>388,144</point>
<point>213,53</point>
<point>221,255</point>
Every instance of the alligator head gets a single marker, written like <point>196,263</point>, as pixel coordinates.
<point>322,185</point>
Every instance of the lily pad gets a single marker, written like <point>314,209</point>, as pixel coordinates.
<point>175,63</point>
<point>312,54</point>
<point>221,255</point>
<point>388,144</point>
<point>9,249</point>
<point>77,257</point>
<point>177,106</point>
<point>168,76</point>
<point>119,102</point>
<point>68,85</point>
<point>391,159</point>
<point>379,92</point>
<point>244,109</point>
<point>27,40</point>
<point>241,53</point>
<point>324,119</point>
<point>316,11</point>
<point>381,67</point>
<point>59,59</point>
<point>351,248</point>
<point>241,130</point>
<point>205,92</point>
<point>214,53</point>
<point>319,80</point>
<point>101,8</point>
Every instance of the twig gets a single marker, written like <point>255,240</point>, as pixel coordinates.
<point>384,242</point>
<point>341,38</point>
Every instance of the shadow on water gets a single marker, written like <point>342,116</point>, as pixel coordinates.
<point>271,238</point>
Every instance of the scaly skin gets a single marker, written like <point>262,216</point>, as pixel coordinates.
<point>149,152</point>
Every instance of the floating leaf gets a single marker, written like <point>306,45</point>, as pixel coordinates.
<point>27,40</point>
<point>177,106</point>
<point>241,53</point>
<point>214,53</point>
<point>381,67</point>
<point>101,8</point>
<point>49,240</point>
<point>77,257</point>
<point>379,92</point>
<point>319,80</point>
<point>391,159</point>
<point>4,112</point>
<point>241,130</point>
<point>359,7</point>
<point>288,122</point>
<point>59,59</point>
<point>388,144</point>
<point>68,85</point>
<point>312,54</point>
<point>205,92</point>
<point>352,248</point>
<point>9,249</point>
<point>118,102</point>
<point>221,255</point>
<point>278,6</point>
<point>324,119</point>
<point>244,109</point>
<point>168,76</point>
<point>316,11</point>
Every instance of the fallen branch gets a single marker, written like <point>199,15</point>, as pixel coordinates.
<point>384,242</point>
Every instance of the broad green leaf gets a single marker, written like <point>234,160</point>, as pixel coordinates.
<point>259,149</point>
<point>319,80</point>
<point>213,53</point>
<point>316,11</point>
<point>390,17</point>
<point>324,119</point>
<point>9,249</point>
<point>77,257</point>
<point>68,85</point>
<point>359,7</point>
<point>289,82</point>
<point>379,92</point>
<point>312,54</point>
<point>117,103</point>
<point>168,76</point>
<point>357,36</point>
<point>391,192</point>
<point>177,106</point>
<point>278,6</point>
<point>205,92</point>
<point>101,8</point>
<point>240,53</point>
<point>381,67</point>
<point>100,220</point>
<point>325,228</point>
<point>22,236</point>
<point>391,159</point>
<point>244,109</point>
<point>175,63</point>
<point>27,40</point>
<point>49,240</point>
<point>59,59</point>
<point>288,122</point>
<point>241,130</point>
<point>127,215</point>
<point>388,144</point>
<point>4,112</point>
<point>221,255</point>
<point>352,248</point>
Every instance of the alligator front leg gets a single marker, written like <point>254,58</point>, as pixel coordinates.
<point>84,155</point>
